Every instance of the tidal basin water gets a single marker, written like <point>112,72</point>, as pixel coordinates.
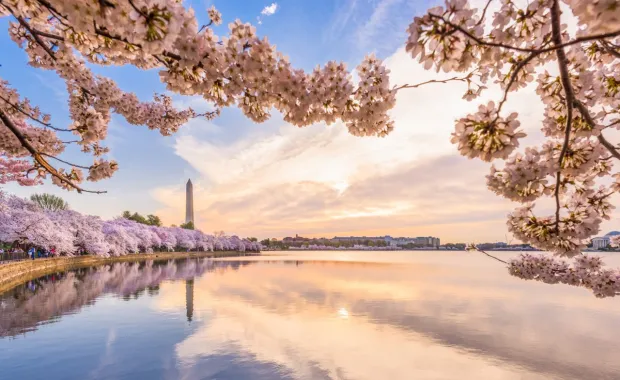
<point>308,315</point>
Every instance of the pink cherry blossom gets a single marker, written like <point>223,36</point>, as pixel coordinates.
<point>68,232</point>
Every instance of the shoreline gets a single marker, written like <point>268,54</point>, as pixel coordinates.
<point>13,274</point>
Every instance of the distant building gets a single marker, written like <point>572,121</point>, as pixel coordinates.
<point>421,241</point>
<point>189,202</point>
<point>600,242</point>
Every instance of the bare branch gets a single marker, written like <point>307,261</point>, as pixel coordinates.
<point>65,162</point>
<point>491,256</point>
<point>458,79</point>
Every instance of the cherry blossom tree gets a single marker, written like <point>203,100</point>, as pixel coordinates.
<point>67,231</point>
<point>577,78</point>
<point>238,69</point>
<point>23,222</point>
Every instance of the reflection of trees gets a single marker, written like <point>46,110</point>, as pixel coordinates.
<point>49,297</point>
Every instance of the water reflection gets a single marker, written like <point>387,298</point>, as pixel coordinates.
<point>371,321</point>
<point>47,298</point>
<point>427,318</point>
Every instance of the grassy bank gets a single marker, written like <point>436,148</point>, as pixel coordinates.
<point>16,273</point>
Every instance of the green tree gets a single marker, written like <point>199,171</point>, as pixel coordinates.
<point>49,202</point>
<point>188,226</point>
<point>151,220</point>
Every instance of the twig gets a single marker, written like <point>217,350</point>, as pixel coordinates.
<point>47,125</point>
<point>491,256</point>
<point>513,78</point>
<point>65,162</point>
<point>483,13</point>
<point>570,97</point>
<point>459,79</point>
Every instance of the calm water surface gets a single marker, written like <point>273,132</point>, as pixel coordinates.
<point>312,315</point>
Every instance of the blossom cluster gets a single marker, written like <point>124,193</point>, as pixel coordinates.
<point>586,271</point>
<point>514,44</point>
<point>486,135</point>
<point>239,69</point>
<point>68,232</point>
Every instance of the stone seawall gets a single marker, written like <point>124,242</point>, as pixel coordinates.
<point>16,273</point>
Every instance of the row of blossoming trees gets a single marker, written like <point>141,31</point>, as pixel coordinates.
<point>24,222</point>
<point>512,44</point>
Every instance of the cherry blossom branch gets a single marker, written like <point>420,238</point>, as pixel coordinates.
<point>513,78</point>
<point>37,155</point>
<point>556,33</point>
<point>458,79</point>
<point>611,49</point>
<point>610,147</point>
<point>527,50</point>
<point>588,118</point>
<point>491,256</point>
<point>484,11</point>
<point>20,110</point>
<point>41,43</point>
<point>65,162</point>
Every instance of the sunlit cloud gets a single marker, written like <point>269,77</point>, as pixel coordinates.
<point>321,181</point>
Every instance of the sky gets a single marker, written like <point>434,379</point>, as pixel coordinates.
<point>274,179</point>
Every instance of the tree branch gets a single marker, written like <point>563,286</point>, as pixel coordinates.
<point>491,256</point>
<point>39,41</point>
<point>610,147</point>
<point>484,12</point>
<point>37,156</point>
<point>610,49</point>
<point>586,115</point>
<point>458,79</point>
<point>513,78</point>
<point>570,98</point>
<point>20,110</point>
<point>527,50</point>
<point>65,162</point>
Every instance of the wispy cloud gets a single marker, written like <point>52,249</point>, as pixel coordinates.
<point>385,28</point>
<point>341,18</point>
<point>270,9</point>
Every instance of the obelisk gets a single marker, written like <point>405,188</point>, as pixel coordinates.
<point>189,202</point>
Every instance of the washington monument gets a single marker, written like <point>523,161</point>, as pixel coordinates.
<point>189,202</point>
